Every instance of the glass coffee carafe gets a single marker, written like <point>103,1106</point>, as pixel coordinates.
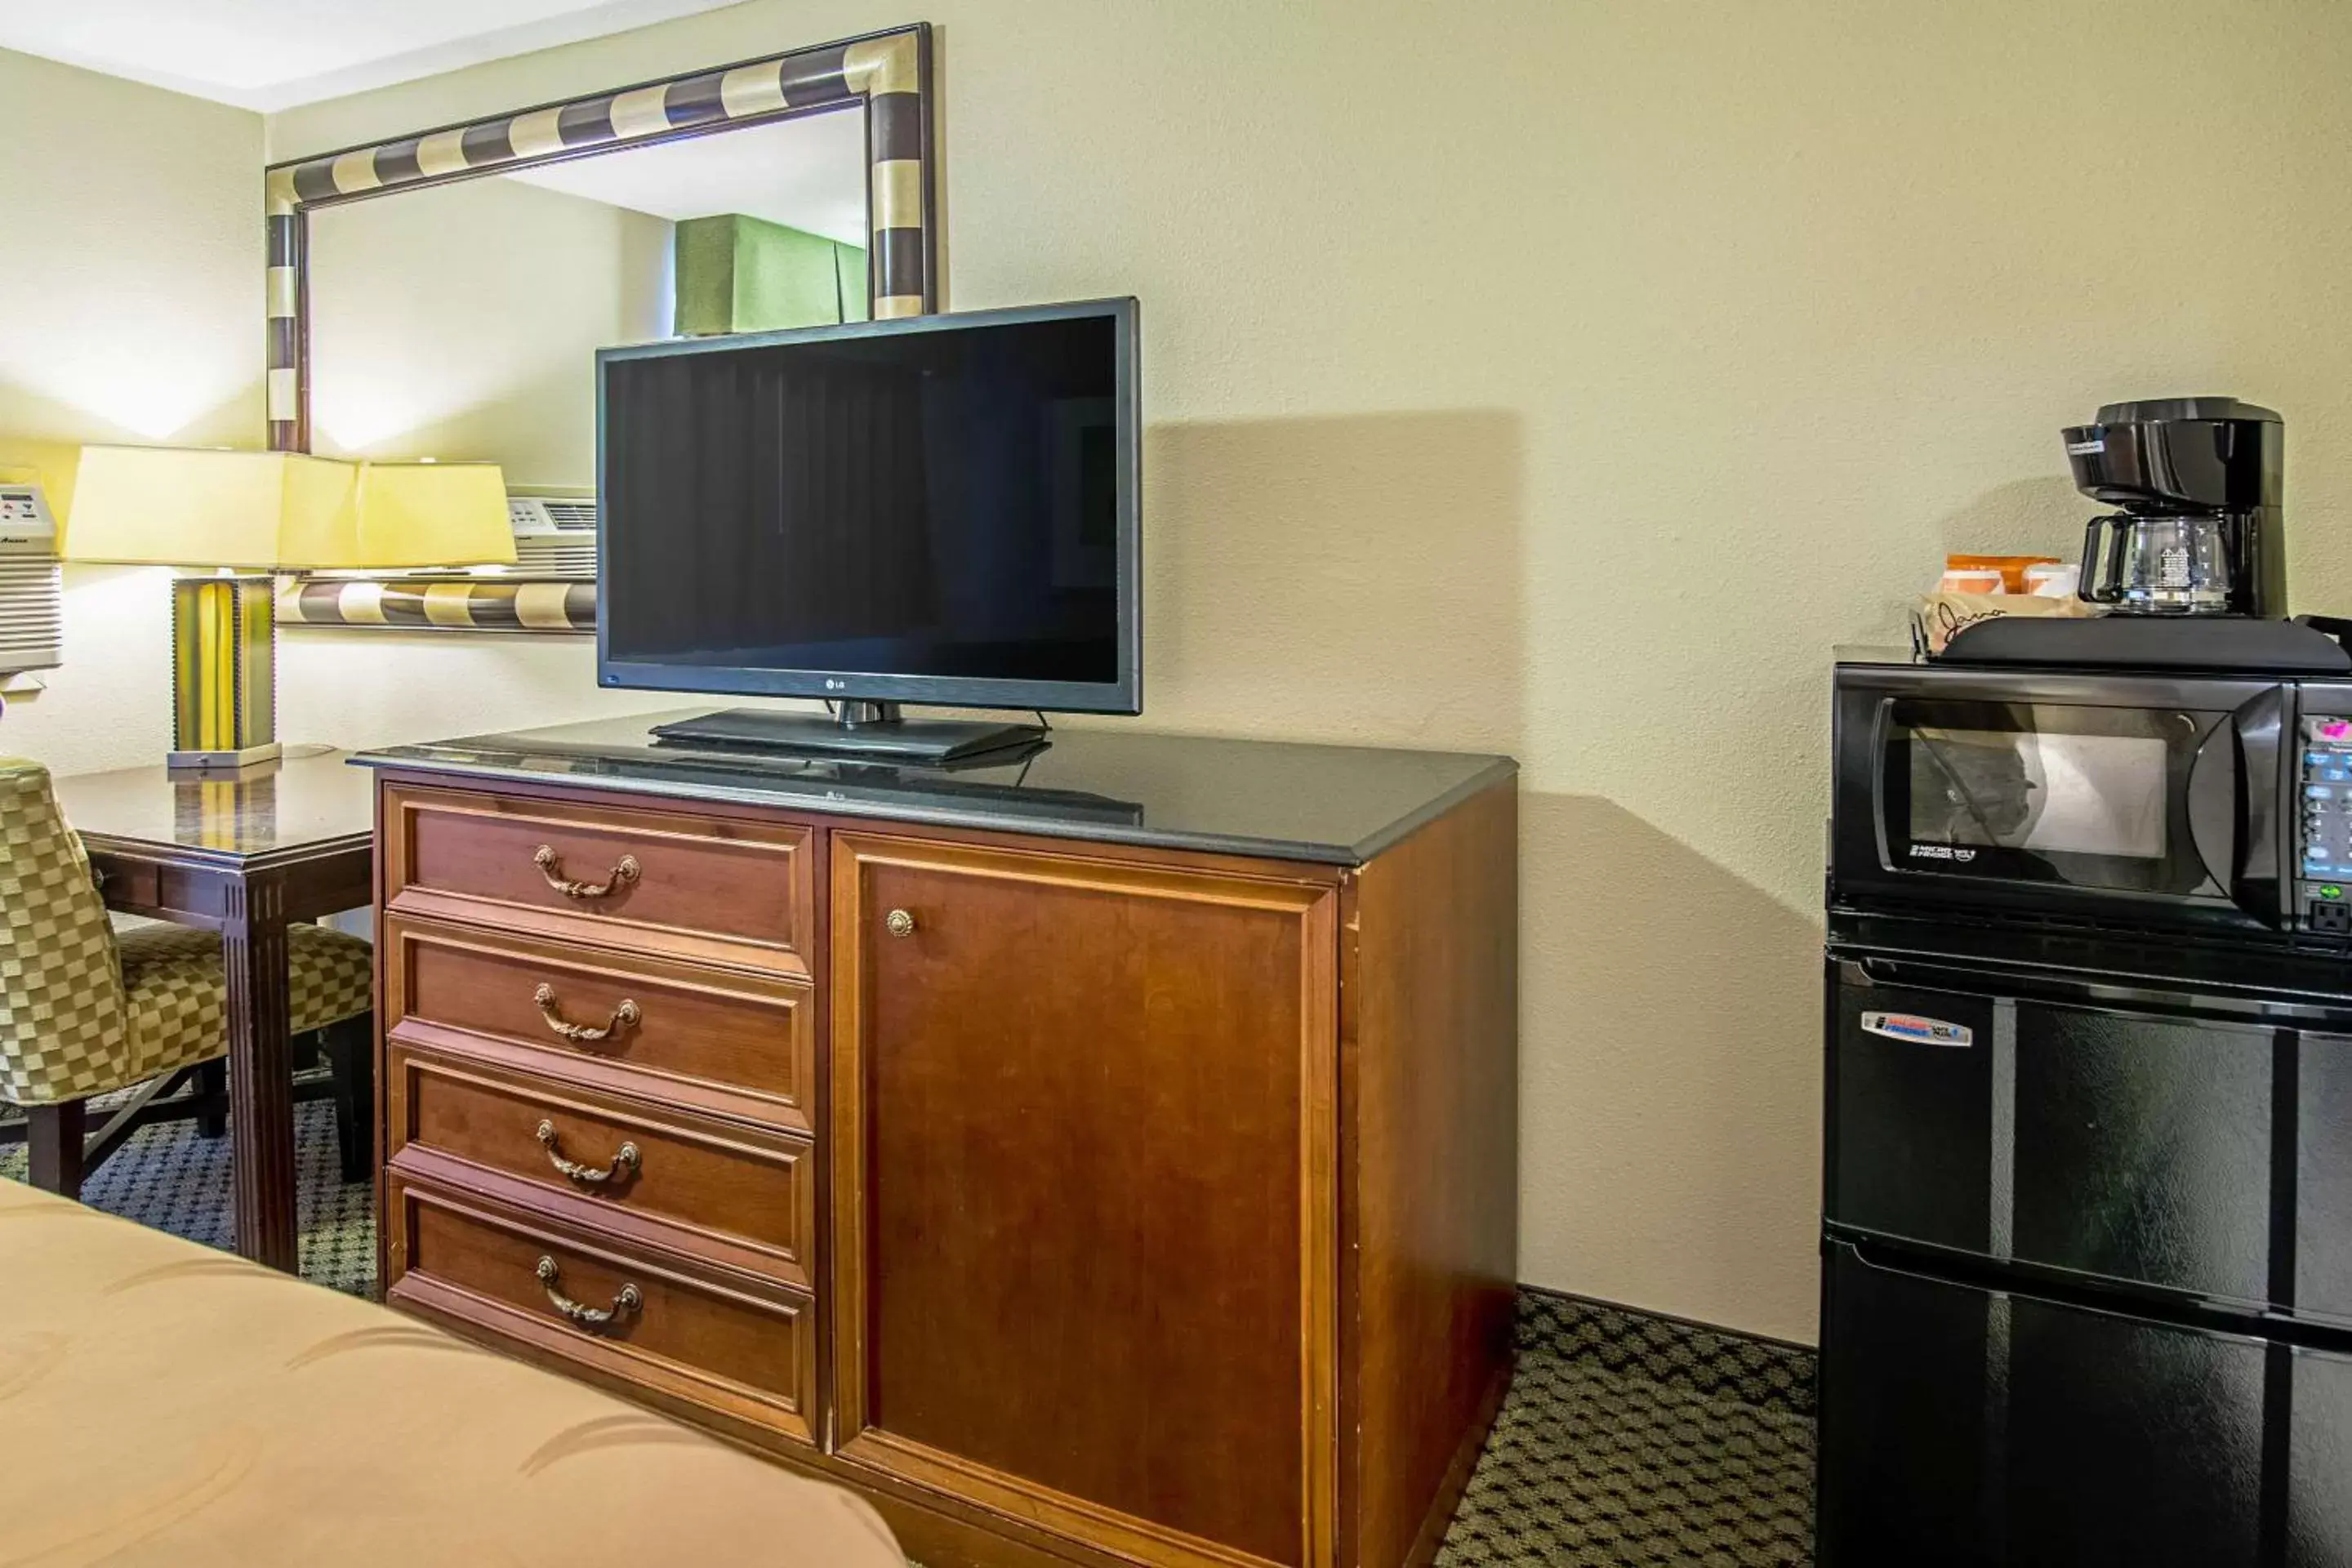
<point>2157,563</point>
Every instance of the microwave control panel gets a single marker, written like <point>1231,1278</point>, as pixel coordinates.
<point>2323,837</point>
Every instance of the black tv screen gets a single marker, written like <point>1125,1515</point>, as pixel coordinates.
<point>940,509</point>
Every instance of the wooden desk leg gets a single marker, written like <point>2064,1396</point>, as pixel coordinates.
<point>260,1072</point>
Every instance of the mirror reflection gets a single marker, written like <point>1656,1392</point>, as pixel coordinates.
<point>461,322</point>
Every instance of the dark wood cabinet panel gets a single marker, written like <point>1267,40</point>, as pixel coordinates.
<point>1082,1131</point>
<point>695,885</point>
<point>1429,1244</point>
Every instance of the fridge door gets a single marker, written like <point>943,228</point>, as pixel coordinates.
<point>1965,1427</point>
<point>2086,1132</point>
<point>2319,1448</point>
<point>2322,1185</point>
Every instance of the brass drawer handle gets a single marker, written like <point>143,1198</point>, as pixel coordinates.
<point>898,923</point>
<point>624,1163</point>
<point>551,866</point>
<point>625,1016</point>
<point>587,1316</point>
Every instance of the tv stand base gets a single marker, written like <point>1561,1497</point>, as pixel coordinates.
<point>871,732</point>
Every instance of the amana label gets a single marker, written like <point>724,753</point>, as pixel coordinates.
<point>1920,1031</point>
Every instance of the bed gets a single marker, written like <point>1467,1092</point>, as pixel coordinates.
<point>163,1403</point>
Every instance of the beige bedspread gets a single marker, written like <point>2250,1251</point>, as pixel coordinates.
<point>161,1403</point>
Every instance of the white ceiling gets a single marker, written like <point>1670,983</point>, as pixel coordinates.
<point>809,174</point>
<point>273,54</point>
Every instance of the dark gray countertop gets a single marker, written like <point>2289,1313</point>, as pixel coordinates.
<point>1334,805</point>
<point>305,800</point>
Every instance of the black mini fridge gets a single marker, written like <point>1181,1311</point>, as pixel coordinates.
<point>2087,1281</point>
<point>2087,1190</point>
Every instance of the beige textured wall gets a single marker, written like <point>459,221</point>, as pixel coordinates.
<point>463,322</point>
<point>129,311</point>
<point>1565,378</point>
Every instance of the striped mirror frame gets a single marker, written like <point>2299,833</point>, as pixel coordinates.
<point>886,74</point>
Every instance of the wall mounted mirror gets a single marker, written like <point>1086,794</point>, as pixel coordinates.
<point>460,321</point>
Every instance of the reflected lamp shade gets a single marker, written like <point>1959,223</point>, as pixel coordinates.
<point>412,515</point>
<point>265,512</point>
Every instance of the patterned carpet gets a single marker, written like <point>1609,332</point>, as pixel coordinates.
<point>1627,1441</point>
<point>168,1177</point>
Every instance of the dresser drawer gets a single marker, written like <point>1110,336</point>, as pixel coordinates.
<point>688,885</point>
<point>680,1336</point>
<point>733,1045</point>
<point>651,1176</point>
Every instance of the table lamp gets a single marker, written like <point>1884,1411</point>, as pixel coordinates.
<point>261,512</point>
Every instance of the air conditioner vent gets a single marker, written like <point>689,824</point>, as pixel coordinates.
<point>555,536</point>
<point>549,558</point>
<point>32,588</point>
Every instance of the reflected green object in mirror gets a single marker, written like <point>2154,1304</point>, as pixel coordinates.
<point>849,266</point>
<point>742,274</point>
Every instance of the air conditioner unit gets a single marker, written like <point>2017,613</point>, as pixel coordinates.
<point>32,591</point>
<point>555,535</point>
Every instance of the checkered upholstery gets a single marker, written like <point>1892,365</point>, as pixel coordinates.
<point>63,1023</point>
<point>79,1019</point>
<point>179,1002</point>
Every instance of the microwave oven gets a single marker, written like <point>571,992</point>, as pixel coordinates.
<point>2158,801</point>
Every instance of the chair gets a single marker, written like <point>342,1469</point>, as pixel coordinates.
<point>88,1011</point>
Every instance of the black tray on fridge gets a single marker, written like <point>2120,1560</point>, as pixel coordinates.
<point>2307,645</point>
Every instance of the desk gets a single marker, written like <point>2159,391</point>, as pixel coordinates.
<point>242,855</point>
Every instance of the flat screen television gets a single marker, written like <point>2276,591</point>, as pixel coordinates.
<point>937,510</point>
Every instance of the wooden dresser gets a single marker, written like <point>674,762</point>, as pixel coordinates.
<point>1104,1158</point>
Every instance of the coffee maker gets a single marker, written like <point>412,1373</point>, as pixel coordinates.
<point>2199,532</point>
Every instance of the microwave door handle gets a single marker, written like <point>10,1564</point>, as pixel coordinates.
<point>2267,849</point>
<point>2232,782</point>
<point>2213,786</point>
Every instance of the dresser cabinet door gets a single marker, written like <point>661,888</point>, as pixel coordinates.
<point>1083,1124</point>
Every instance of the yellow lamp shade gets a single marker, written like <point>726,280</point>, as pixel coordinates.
<point>283,511</point>
<point>275,512</point>
<point>167,506</point>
